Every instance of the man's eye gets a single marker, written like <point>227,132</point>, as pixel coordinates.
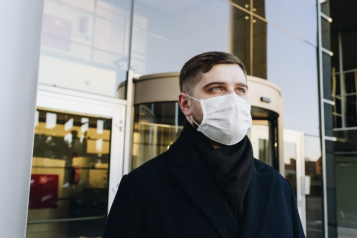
<point>216,89</point>
<point>241,90</point>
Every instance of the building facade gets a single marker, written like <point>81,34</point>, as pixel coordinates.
<point>107,101</point>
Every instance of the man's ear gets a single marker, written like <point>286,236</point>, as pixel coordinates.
<point>185,104</point>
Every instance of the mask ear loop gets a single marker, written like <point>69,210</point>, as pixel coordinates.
<point>194,121</point>
<point>191,116</point>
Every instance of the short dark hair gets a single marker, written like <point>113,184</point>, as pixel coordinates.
<point>191,72</point>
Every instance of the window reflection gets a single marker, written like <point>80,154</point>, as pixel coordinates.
<point>325,34</point>
<point>164,42</point>
<point>259,137</point>
<point>346,175</point>
<point>290,164</point>
<point>281,48</point>
<point>259,48</point>
<point>240,33</point>
<point>325,7</point>
<point>69,176</point>
<point>242,3</point>
<point>85,45</point>
<point>259,7</point>
<point>157,126</point>
<point>314,201</point>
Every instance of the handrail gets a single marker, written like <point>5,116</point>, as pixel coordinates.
<point>65,220</point>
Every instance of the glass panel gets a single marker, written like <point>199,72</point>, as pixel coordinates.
<point>314,201</point>
<point>351,82</point>
<point>351,111</point>
<point>243,3</point>
<point>348,36</point>
<point>298,17</point>
<point>259,7</point>
<point>337,106</point>
<point>281,46</point>
<point>328,111</point>
<point>335,59</point>
<point>345,176</point>
<point>336,85</point>
<point>346,195</point>
<point>168,33</point>
<point>259,137</point>
<point>337,121</point>
<point>346,141</point>
<point>326,75</point>
<point>325,7</point>
<point>156,127</point>
<point>325,34</point>
<point>337,113</point>
<point>259,48</point>
<point>264,150</point>
<point>330,188</point>
<point>69,176</point>
<point>290,163</point>
<point>240,32</point>
<point>85,45</point>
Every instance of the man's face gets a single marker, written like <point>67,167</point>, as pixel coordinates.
<point>221,80</point>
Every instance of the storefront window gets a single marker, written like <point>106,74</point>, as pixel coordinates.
<point>69,176</point>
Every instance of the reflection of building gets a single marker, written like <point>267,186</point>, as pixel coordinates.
<point>338,37</point>
<point>106,103</point>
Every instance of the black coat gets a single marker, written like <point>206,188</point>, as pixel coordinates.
<point>173,195</point>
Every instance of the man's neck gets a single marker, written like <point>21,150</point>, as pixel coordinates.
<point>215,144</point>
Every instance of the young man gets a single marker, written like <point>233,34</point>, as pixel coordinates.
<point>208,184</point>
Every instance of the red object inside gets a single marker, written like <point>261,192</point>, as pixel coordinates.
<point>43,191</point>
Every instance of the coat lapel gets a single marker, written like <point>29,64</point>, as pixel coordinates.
<point>186,169</point>
<point>257,203</point>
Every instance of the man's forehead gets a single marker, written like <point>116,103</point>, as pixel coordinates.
<point>224,73</point>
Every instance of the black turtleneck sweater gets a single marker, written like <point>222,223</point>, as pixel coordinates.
<point>230,166</point>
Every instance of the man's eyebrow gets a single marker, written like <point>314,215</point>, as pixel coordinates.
<point>213,83</point>
<point>243,85</point>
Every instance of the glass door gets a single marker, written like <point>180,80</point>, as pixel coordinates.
<point>294,164</point>
<point>76,165</point>
<point>259,137</point>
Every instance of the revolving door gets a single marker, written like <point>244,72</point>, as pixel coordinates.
<point>158,120</point>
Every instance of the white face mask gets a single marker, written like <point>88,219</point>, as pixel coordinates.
<point>226,119</point>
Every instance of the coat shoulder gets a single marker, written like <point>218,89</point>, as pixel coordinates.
<point>262,167</point>
<point>151,167</point>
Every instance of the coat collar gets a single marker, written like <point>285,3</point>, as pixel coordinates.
<point>185,167</point>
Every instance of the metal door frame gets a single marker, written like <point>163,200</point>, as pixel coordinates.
<point>297,138</point>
